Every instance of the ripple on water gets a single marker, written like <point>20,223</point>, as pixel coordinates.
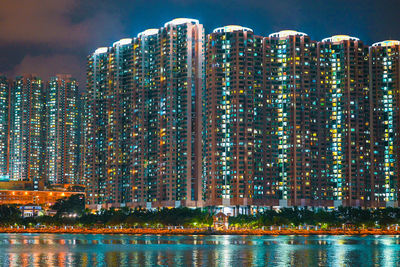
<point>156,250</point>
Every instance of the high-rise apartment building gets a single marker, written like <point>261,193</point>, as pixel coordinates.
<point>290,97</point>
<point>233,171</point>
<point>81,105</point>
<point>4,127</point>
<point>96,126</point>
<point>144,124</point>
<point>26,130</point>
<point>110,110</point>
<point>120,127</point>
<point>384,74</point>
<point>344,127</point>
<point>175,109</point>
<point>236,120</point>
<point>62,131</point>
<point>147,130</point>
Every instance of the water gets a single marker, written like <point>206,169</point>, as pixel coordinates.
<point>127,250</point>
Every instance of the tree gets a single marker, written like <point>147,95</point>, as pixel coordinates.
<point>72,204</point>
<point>9,214</point>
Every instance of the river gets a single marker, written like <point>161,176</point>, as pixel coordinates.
<point>153,250</point>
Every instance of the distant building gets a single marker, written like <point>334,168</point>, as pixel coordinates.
<point>62,138</point>
<point>26,130</point>
<point>39,130</point>
<point>81,105</point>
<point>4,127</point>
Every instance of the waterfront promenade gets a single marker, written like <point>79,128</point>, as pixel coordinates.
<point>194,231</point>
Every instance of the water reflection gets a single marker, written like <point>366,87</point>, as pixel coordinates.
<point>125,250</point>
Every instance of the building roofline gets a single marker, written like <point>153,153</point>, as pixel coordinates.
<point>232,28</point>
<point>148,32</point>
<point>339,38</point>
<point>180,21</point>
<point>387,43</point>
<point>123,41</point>
<point>101,50</point>
<point>286,33</point>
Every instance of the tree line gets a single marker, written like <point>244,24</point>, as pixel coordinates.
<point>71,211</point>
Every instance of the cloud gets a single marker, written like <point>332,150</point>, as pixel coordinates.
<point>50,22</point>
<point>47,37</point>
<point>49,65</point>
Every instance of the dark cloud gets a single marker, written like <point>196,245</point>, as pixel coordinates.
<point>49,36</point>
<point>46,37</point>
<point>41,21</point>
<point>46,66</point>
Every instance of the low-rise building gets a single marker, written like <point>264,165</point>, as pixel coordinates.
<point>31,211</point>
<point>22,193</point>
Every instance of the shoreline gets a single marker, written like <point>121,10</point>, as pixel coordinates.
<point>149,231</point>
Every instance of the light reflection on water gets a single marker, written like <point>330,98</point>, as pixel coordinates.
<point>127,250</point>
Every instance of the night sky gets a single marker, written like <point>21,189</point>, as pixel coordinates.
<point>47,37</point>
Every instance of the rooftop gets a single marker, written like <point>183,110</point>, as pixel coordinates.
<point>339,38</point>
<point>148,32</point>
<point>179,21</point>
<point>232,28</point>
<point>387,43</point>
<point>101,50</point>
<point>286,33</point>
<point>124,41</point>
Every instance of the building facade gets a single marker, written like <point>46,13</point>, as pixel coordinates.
<point>233,171</point>
<point>23,193</point>
<point>290,97</point>
<point>62,130</point>
<point>144,100</point>
<point>235,120</point>
<point>174,59</point>
<point>26,130</point>
<point>95,172</point>
<point>4,127</point>
<point>343,84</point>
<point>38,130</point>
<point>384,72</point>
